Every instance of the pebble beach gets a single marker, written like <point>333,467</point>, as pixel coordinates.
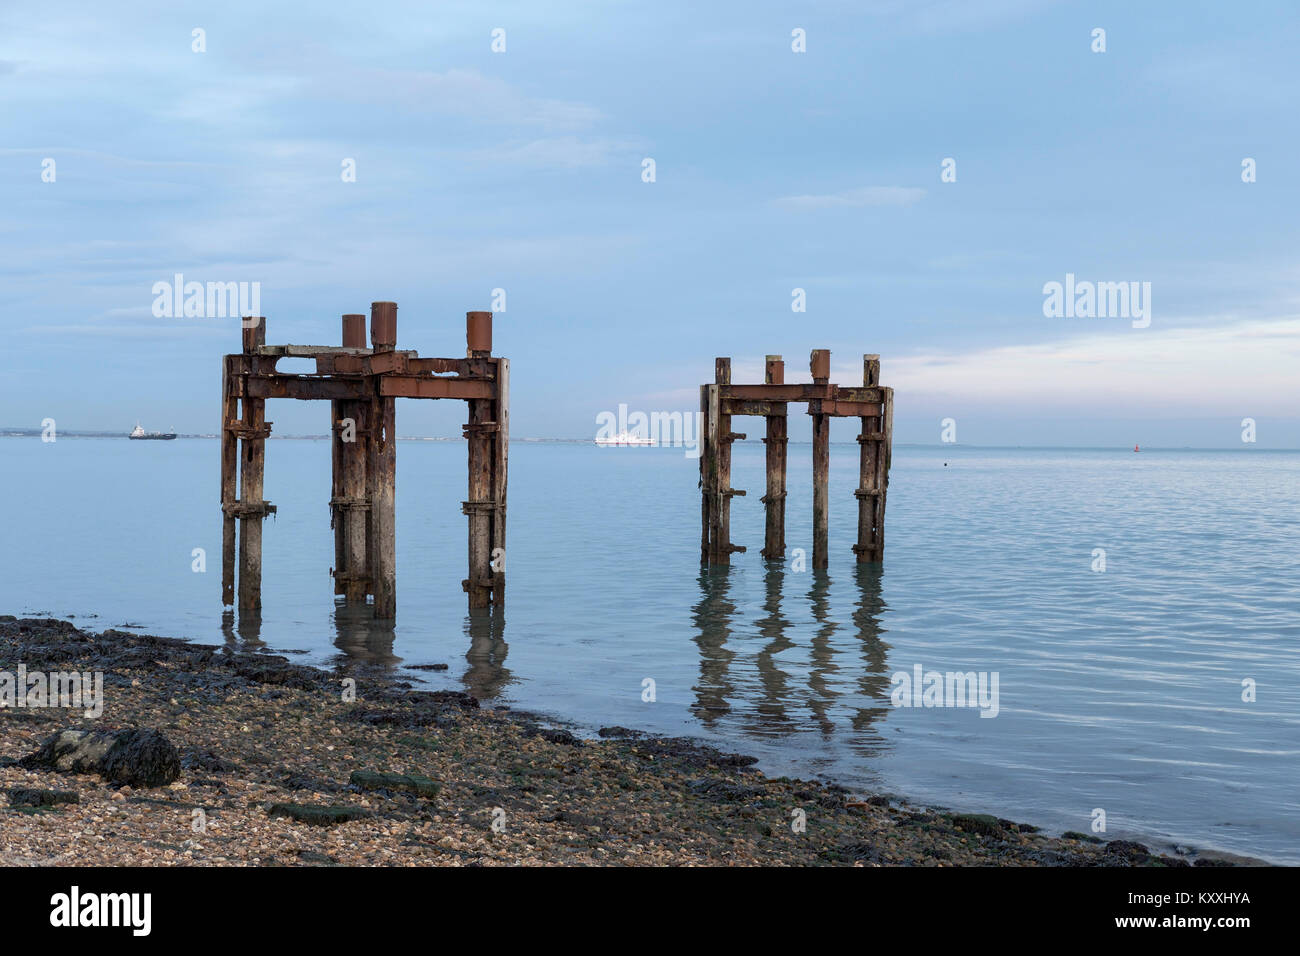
<point>287,765</point>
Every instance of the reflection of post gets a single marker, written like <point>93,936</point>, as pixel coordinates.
<point>776,441</point>
<point>382,473</point>
<point>251,506</point>
<point>821,428</point>
<point>363,639</point>
<point>771,716</point>
<point>244,634</point>
<point>874,683</point>
<point>487,675</point>
<point>712,617</point>
<point>822,652</point>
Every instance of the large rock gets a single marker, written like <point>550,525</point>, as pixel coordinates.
<point>137,758</point>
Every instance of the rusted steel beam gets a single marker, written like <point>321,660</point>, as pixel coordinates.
<point>851,409</point>
<point>310,351</point>
<point>413,386</point>
<point>800,392</point>
<point>733,406</point>
<point>305,388</point>
<point>439,365</point>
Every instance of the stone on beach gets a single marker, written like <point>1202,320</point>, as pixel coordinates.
<point>136,758</point>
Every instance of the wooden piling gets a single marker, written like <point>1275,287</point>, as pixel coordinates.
<point>821,429</point>
<point>722,491</point>
<point>500,461</point>
<point>479,434</point>
<point>870,491</point>
<point>252,508</point>
<point>884,460</point>
<point>350,503</point>
<point>229,476</point>
<point>362,385</point>
<point>381,475</point>
<point>708,470</point>
<point>871,402</point>
<point>776,440</point>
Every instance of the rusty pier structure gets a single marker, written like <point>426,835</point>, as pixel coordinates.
<point>362,385</point>
<point>872,403</point>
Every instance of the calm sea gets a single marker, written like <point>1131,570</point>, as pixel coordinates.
<point>1118,690</point>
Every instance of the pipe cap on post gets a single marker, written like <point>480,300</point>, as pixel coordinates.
<point>383,326</point>
<point>354,331</point>
<point>478,334</point>
<point>254,332</point>
<point>820,364</point>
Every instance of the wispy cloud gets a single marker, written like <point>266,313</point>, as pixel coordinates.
<point>1245,368</point>
<point>863,196</point>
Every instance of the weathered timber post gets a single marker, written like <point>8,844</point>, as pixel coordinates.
<point>883,460</point>
<point>708,471</point>
<point>871,402</point>
<point>350,503</point>
<point>229,474</point>
<point>722,437</point>
<point>870,490</point>
<point>252,509</point>
<point>500,461</point>
<point>381,473</point>
<point>479,432</point>
<point>776,441</point>
<point>820,364</point>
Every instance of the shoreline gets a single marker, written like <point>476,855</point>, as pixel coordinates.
<point>402,776</point>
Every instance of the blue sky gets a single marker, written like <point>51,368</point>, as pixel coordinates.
<point>775,170</point>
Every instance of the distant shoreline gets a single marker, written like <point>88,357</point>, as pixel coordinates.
<point>1248,449</point>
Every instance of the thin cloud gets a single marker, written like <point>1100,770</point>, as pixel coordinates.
<point>864,196</point>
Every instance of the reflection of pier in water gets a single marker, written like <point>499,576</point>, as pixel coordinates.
<point>366,643</point>
<point>487,674</point>
<point>244,634</point>
<point>364,640</point>
<point>769,706</point>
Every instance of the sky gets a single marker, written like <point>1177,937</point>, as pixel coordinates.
<point>523,169</point>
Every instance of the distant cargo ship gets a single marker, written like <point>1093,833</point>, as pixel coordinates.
<point>623,439</point>
<point>139,434</point>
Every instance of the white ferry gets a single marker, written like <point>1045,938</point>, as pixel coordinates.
<point>623,439</point>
